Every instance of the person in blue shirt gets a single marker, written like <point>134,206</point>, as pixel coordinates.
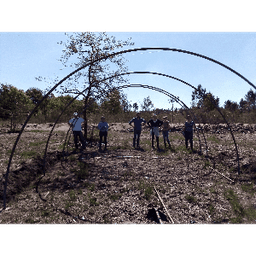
<point>137,121</point>
<point>76,124</point>
<point>103,127</point>
<point>154,125</point>
<point>188,132</point>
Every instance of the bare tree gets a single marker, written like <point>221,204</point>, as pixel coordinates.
<point>135,106</point>
<point>147,104</point>
<point>82,48</point>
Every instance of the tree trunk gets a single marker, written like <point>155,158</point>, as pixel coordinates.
<point>172,113</point>
<point>85,121</point>
<point>12,123</point>
<point>86,103</point>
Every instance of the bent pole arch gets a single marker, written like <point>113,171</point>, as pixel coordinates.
<point>104,58</point>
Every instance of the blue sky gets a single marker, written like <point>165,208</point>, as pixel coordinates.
<point>26,55</point>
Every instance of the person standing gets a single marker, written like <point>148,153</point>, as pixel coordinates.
<point>165,130</point>
<point>76,124</point>
<point>103,127</point>
<point>154,125</point>
<point>137,121</point>
<point>188,132</point>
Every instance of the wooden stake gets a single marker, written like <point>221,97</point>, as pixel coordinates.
<point>164,206</point>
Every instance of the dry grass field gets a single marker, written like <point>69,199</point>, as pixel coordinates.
<point>125,185</point>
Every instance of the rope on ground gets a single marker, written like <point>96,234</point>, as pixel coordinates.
<point>164,205</point>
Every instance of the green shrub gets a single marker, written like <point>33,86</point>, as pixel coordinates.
<point>250,213</point>
<point>213,139</point>
<point>28,154</point>
<point>115,196</point>
<point>237,208</point>
<point>45,213</point>
<point>72,195</point>
<point>31,221</point>
<point>91,187</point>
<point>67,205</point>
<point>36,144</point>
<point>211,209</point>
<point>83,171</point>
<point>190,199</point>
<point>93,201</point>
<point>206,164</point>
<point>148,192</point>
<point>248,188</point>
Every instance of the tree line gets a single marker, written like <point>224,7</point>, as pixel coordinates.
<point>204,104</point>
<point>16,104</point>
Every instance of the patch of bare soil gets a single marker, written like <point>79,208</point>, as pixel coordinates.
<point>125,185</point>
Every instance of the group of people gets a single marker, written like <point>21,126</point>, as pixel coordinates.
<point>156,125</point>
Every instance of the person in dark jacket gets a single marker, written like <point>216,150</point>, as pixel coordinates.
<point>103,127</point>
<point>165,130</point>
<point>154,125</point>
<point>137,121</point>
<point>188,132</point>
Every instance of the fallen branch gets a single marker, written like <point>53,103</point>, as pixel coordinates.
<point>223,175</point>
<point>127,156</point>
<point>164,206</point>
<point>158,216</point>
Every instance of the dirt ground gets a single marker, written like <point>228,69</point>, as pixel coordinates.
<point>124,185</point>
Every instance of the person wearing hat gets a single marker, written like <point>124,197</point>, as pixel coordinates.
<point>103,127</point>
<point>165,130</point>
<point>137,128</point>
<point>188,132</point>
<point>154,125</point>
<point>76,124</point>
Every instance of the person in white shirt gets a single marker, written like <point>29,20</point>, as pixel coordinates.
<point>76,124</point>
<point>103,127</point>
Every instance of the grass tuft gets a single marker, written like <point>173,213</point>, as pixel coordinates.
<point>83,171</point>
<point>72,195</point>
<point>190,199</point>
<point>29,154</point>
<point>248,188</point>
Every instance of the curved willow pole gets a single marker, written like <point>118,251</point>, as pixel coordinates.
<point>100,59</point>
